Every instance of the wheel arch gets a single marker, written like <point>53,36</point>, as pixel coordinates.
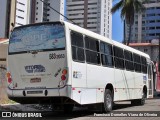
<point>111,88</point>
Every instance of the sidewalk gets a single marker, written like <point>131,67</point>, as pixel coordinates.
<point>27,107</point>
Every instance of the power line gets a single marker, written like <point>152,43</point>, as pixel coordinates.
<point>57,11</point>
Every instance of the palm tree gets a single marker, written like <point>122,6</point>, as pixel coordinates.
<point>128,10</point>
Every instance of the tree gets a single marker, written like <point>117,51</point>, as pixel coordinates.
<point>128,10</point>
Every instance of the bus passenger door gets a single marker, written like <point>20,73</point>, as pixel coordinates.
<point>150,81</point>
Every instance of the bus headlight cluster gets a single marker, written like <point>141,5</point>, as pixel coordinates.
<point>64,74</point>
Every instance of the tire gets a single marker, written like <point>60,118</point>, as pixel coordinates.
<point>108,101</point>
<point>142,100</point>
<point>139,101</point>
<point>68,108</point>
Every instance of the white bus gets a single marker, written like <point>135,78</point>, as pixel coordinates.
<point>66,65</point>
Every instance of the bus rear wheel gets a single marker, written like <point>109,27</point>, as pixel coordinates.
<point>139,101</point>
<point>142,100</point>
<point>108,101</point>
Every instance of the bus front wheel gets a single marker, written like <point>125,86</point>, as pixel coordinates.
<point>139,101</point>
<point>108,100</point>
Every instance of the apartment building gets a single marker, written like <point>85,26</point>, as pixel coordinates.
<point>4,20</point>
<point>49,10</point>
<point>91,14</point>
<point>146,25</point>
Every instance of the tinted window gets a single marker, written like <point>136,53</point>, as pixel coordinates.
<point>118,57</point>
<point>92,57</point>
<point>105,48</point>
<point>92,50</point>
<point>118,52</point>
<point>77,39</point>
<point>107,60</point>
<point>77,47</point>
<point>92,44</point>
<point>128,55</point>
<point>144,64</point>
<point>106,54</point>
<point>128,60</point>
<point>137,62</point>
<point>137,58</point>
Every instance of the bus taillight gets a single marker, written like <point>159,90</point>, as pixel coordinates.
<point>9,79</point>
<point>63,77</point>
<point>64,74</point>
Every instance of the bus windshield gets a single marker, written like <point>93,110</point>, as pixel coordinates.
<point>42,37</point>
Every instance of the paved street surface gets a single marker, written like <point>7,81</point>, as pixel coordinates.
<point>85,114</point>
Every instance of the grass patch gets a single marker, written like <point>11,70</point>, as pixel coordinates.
<point>7,101</point>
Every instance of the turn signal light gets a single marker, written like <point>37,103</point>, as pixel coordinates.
<point>64,72</point>
<point>8,75</point>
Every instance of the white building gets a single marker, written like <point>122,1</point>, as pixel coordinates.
<point>91,14</point>
<point>94,15</point>
<point>4,19</point>
<point>22,12</point>
<point>146,26</point>
<point>45,13</point>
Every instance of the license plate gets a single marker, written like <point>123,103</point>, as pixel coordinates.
<point>34,92</point>
<point>35,80</point>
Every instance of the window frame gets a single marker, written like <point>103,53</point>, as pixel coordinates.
<point>137,62</point>
<point>92,50</point>
<point>77,47</point>
<point>118,57</point>
<point>130,60</point>
<point>106,54</point>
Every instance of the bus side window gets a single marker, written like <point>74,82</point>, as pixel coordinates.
<point>77,47</point>
<point>128,60</point>
<point>118,57</point>
<point>77,39</point>
<point>106,54</point>
<point>92,50</point>
<point>144,64</point>
<point>137,62</point>
<point>92,44</point>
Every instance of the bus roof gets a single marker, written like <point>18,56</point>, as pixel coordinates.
<point>94,35</point>
<point>102,38</point>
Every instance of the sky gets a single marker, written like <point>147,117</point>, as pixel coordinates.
<point>117,26</point>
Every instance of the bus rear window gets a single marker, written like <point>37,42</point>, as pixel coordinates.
<point>42,37</point>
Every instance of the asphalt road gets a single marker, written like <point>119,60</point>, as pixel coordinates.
<point>151,108</point>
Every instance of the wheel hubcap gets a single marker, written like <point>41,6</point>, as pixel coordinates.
<point>108,101</point>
